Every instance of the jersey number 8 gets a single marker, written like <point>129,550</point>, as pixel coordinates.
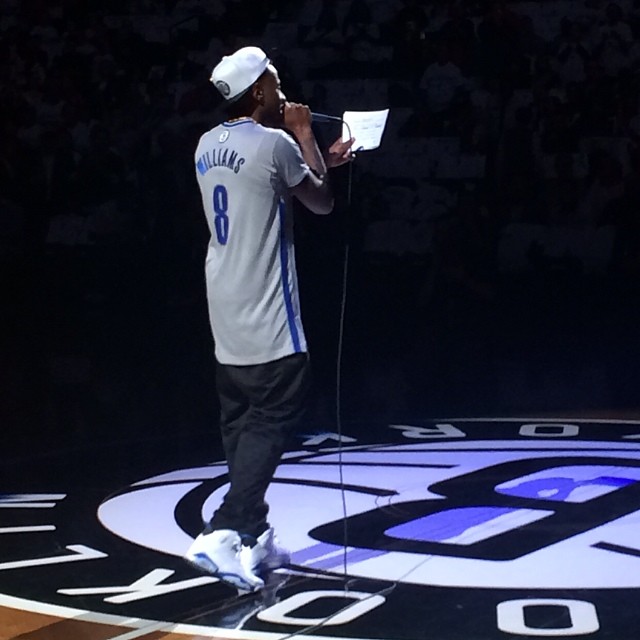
<point>220,207</point>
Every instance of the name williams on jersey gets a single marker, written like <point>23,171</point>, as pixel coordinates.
<point>219,158</point>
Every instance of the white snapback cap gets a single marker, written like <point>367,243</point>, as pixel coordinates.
<point>234,74</point>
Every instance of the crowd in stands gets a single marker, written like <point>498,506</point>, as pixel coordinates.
<point>512,153</point>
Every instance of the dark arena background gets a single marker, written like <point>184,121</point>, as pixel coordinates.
<point>470,464</point>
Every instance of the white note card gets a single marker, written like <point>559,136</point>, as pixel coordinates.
<point>366,127</point>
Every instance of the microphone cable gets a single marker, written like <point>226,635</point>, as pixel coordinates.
<point>322,118</point>
<point>339,363</point>
<point>386,590</point>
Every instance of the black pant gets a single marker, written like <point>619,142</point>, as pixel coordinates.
<point>260,407</point>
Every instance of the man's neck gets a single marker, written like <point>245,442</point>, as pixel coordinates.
<point>240,118</point>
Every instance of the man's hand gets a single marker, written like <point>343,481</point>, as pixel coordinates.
<point>297,118</point>
<point>338,153</point>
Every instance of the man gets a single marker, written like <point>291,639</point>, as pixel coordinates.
<point>247,169</point>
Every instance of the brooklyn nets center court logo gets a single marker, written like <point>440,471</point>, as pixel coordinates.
<point>448,529</point>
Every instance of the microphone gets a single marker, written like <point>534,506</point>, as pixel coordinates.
<point>321,117</point>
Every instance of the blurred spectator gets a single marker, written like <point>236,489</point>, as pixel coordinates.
<point>325,30</point>
<point>409,41</point>
<point>358,22</point>
<point>623,213</point>
<point>605,183</point>
<point>499,34</point>
<point>53,170</point>
<point>469,127</point>
<point>412,12</point>
<point>460,34</point>
<point>464,256</point>
<point>442,82</point>
<point>563,192</point>
<point>101,169</point>
<point>614,27</point>
<point>557,129</point>
<point>518,163</point>
<point>14,164</point>
<point>571,54</point>
<point>599,101</point>
<point>50,181</point>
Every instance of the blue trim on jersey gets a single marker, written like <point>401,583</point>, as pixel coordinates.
<point>238,123</point>
<point>284,265</point>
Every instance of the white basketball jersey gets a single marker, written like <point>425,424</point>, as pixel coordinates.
<point>244,171</point>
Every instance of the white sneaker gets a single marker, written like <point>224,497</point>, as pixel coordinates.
<point>222,554</point>
<point>266,555</point>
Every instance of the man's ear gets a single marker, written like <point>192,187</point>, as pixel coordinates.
<point>257,91</point>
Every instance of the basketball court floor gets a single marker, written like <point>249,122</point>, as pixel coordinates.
<point>484,486</point>
<point>444,528</point>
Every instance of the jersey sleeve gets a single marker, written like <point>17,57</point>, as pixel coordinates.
<point>288,160</point>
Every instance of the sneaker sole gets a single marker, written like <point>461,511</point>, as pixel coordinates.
<point>204,564</point>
